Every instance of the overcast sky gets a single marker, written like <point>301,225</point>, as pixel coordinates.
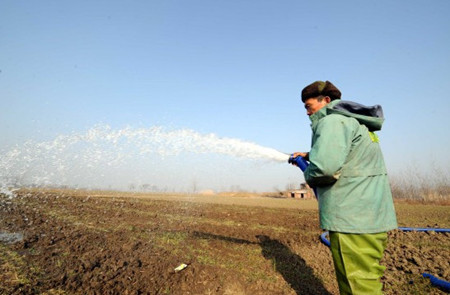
<point>232,68</point>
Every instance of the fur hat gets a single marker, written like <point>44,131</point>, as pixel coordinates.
<point>321,88</point>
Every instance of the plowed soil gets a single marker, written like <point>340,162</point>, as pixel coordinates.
<point>81,242</point>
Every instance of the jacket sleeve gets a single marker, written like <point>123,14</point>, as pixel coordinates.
<point>331,143</point>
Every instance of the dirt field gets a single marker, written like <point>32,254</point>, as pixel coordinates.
<point>67,242</point>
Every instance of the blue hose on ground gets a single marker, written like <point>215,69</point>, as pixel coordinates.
<point>323,239</point>
<point>303,164</point>
<point>434,280</point>
<point>444,285</point>
<point>438,230</point>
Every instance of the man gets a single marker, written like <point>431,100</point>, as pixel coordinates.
<point>348,171</point>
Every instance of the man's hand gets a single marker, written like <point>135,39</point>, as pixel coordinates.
<point>304,155</point>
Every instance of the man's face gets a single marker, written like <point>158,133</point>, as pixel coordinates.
<point>314,104</point>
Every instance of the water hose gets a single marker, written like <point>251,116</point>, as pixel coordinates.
<point>437,282</point>
<point>434,280</point>
<point>298,161</point>
<point>303,164</point>
<point>438,230</point>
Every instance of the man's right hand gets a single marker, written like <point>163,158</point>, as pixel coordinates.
<point>304,155</point>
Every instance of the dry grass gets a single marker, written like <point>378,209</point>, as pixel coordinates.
<point>408,186</point>
<point>420,187</point>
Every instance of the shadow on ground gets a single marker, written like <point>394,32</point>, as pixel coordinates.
<point>291,266</point>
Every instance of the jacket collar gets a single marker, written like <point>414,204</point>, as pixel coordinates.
<point>322,112</point>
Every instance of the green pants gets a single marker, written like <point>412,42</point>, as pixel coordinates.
<point>356,260</point>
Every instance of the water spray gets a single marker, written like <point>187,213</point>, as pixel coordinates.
<point>102,156</point>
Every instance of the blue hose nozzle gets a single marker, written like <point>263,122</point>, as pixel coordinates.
<point>302,164</point>
<point>299,161</point>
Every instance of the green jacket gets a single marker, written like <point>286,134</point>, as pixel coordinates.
<point>348,170</point>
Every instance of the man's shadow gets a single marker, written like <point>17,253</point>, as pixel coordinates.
<point>292,267</point>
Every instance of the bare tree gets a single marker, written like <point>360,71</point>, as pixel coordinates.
<point>194,186</point>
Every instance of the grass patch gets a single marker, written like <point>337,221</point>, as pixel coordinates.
<point>12,271</point>
<point>234,255</point>
<point>170,238</point>
<point>54,292</point>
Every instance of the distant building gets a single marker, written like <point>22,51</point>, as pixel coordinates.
<point>303,193</point>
